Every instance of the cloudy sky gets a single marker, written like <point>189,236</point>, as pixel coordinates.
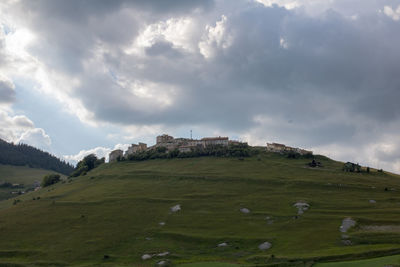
<point>88,76</point>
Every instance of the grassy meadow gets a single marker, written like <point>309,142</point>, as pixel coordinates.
<point>112,215</point>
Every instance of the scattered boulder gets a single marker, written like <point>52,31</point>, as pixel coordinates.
<point>163,263</point>
<point>347,242</point>
<point>162,223</point>
<point>244,210</point>
<point>301,207</point>
<point>148,238</point>
<point>146,257</point>
<point>223,244</point>
<point>269,220</point>
<point>265,246</point>
<point>176,208</point>
<point>163,254</point>
<point>347,223</point>
<point>372,201</point>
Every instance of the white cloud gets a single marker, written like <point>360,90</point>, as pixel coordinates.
<point>177,31</point>
<point>283,43</point>
<point>100,152</point>
<point>392,13</point>
<point>214,38</point>
<point>288,4</point>
<point>36,137</point>
<point>12,127</point>
<point>20,129</point>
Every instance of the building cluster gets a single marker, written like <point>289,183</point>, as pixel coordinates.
<point>170,143</point>
<point>185,145</point>
<point>281,148</point>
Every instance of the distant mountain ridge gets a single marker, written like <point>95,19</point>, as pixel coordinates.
<point>25,155</point>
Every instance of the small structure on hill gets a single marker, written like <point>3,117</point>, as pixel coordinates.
<point>351,167</point>
<point>281,148</point>
<point>315,163</point>
<point>116,155</point>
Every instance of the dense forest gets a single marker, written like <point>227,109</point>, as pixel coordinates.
<point>25,155</point>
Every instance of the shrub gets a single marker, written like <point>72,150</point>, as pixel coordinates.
<point>50,179</point>
<point>86,164</point>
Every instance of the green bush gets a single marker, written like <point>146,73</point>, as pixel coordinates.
<point>86,164</point>
<point>50,179</point>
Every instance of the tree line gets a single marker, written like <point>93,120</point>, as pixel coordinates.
<point>25,155</point>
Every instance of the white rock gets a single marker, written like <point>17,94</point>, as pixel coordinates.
<point>265,246</point>
<point>244,210</point>
<point>163,254</point>
<point>223,244</point>
<point>146,257</point>
<point>372,201</point>
<point>301,207</point>
<point>162,223</point>
<point>347,223</point>
<point>162,263</point>
<point>176,208</point>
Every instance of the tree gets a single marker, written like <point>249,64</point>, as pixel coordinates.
<point>50,179</point>
<point>86,164</point>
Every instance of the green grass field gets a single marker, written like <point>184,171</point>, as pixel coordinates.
<point>111,216</point>
<point>19,175</point>
<point>381,261</point>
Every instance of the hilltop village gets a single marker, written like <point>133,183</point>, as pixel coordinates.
<point>187,145</point>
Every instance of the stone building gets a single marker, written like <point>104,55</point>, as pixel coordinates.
<point>275,147</point>
<point>185,149</point>
<point>281,148</point>
<point>213,141</point>
<point>187,144</point>
<point>136,148</point>
<point>115,155</point>
<point>165,138</point>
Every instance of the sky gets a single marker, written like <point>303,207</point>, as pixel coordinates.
<point>80,77</point>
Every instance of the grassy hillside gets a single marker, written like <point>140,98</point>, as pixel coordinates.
<point>112,216</point>
<point>22,175</point>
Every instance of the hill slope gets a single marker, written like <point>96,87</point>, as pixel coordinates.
<point>25,177</point>
<point>25,155</point>
<point>112,216</point>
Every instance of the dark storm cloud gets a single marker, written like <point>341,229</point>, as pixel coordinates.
<point>316,80</point>
<point>346,63</point>
<point>69,30</point>
<point>7,93</point>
